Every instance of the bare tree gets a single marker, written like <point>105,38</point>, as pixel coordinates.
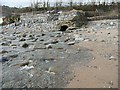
<point>71,3</point>
<point>48,4</point>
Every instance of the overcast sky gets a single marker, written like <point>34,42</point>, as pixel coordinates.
<point>23,3</point>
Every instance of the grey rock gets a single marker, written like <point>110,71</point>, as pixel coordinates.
<point>51,41</point>
<point>71,43</point>
<point>13,55</point>
<point>73,18</point>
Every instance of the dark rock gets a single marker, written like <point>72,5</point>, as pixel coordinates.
<point>4,51</point>
<point>24,35</point>
<point>3,59</point>
<point>25,45</point>
<point>22,39</point>
<point>43,34</point>
<point>63,28</point>
<point>4,44</point>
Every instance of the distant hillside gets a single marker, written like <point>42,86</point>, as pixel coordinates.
<point>7,11</point>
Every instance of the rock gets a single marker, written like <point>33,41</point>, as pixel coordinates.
<point>26,67</point>
<point>51,41</point>
<point>78,38</point>
<point>73,18</point>
<point>4,44</point>
<point>49,46</point>
<point>86,40</point>
<point>3,51</point>
<point>71,43</point>
<point>43,34</point>
<point>102,40</point>
<point>112,58</point>
<point>24,35</point>
<point>111,82</point>
<point>108,33</point>
<point>22,39</point>
<point>3,59</point>
<point>112,23</point>
<point>25,45</point>
<point>13,55</point>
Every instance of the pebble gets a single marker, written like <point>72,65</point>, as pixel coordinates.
<point>112,57</point>
<point>48,46</point>
<point>111,23</point>
<point>13,56</point>
<point>79,39</point>
<point>22,39</point>
<point>86,40</point>
<point>24,35</point>
<point>26,67</point>
<point>3,59</point>
<point>4,51</point>
<point>25,45</point>
<point>4,44</point>
<point>102,40</point>
<point>71,43</point>
<point>111,82</point>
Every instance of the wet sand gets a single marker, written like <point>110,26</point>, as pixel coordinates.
<point>102,71</point>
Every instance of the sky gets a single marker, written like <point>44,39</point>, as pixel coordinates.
<point>24,3</point>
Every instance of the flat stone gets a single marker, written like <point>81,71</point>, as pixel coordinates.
<point>71,43</point>
<point>51,41</point>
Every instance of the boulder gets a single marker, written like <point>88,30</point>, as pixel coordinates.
<point>73,18</point>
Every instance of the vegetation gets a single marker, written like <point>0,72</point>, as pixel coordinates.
<point>44,6</point>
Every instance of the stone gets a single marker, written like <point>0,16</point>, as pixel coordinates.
<point>102,40</point>
<point>73,18</point>
<point>71,43</point>
<point>13,55</point>
<point>22,39</point>
<point>25,45</point>
<point>112,23</point>
<point>4,51</point>
<point>112,58</point>
<point>49,46</point>
<point>51,41</point>
<point>4,44</point>
<point>26,67</point>
<point>111,82</point>
<point>78,38</point>
<point>3,59</point>
<point>24,35</point>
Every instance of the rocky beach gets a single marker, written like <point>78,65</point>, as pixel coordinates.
<point>35,53</point>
